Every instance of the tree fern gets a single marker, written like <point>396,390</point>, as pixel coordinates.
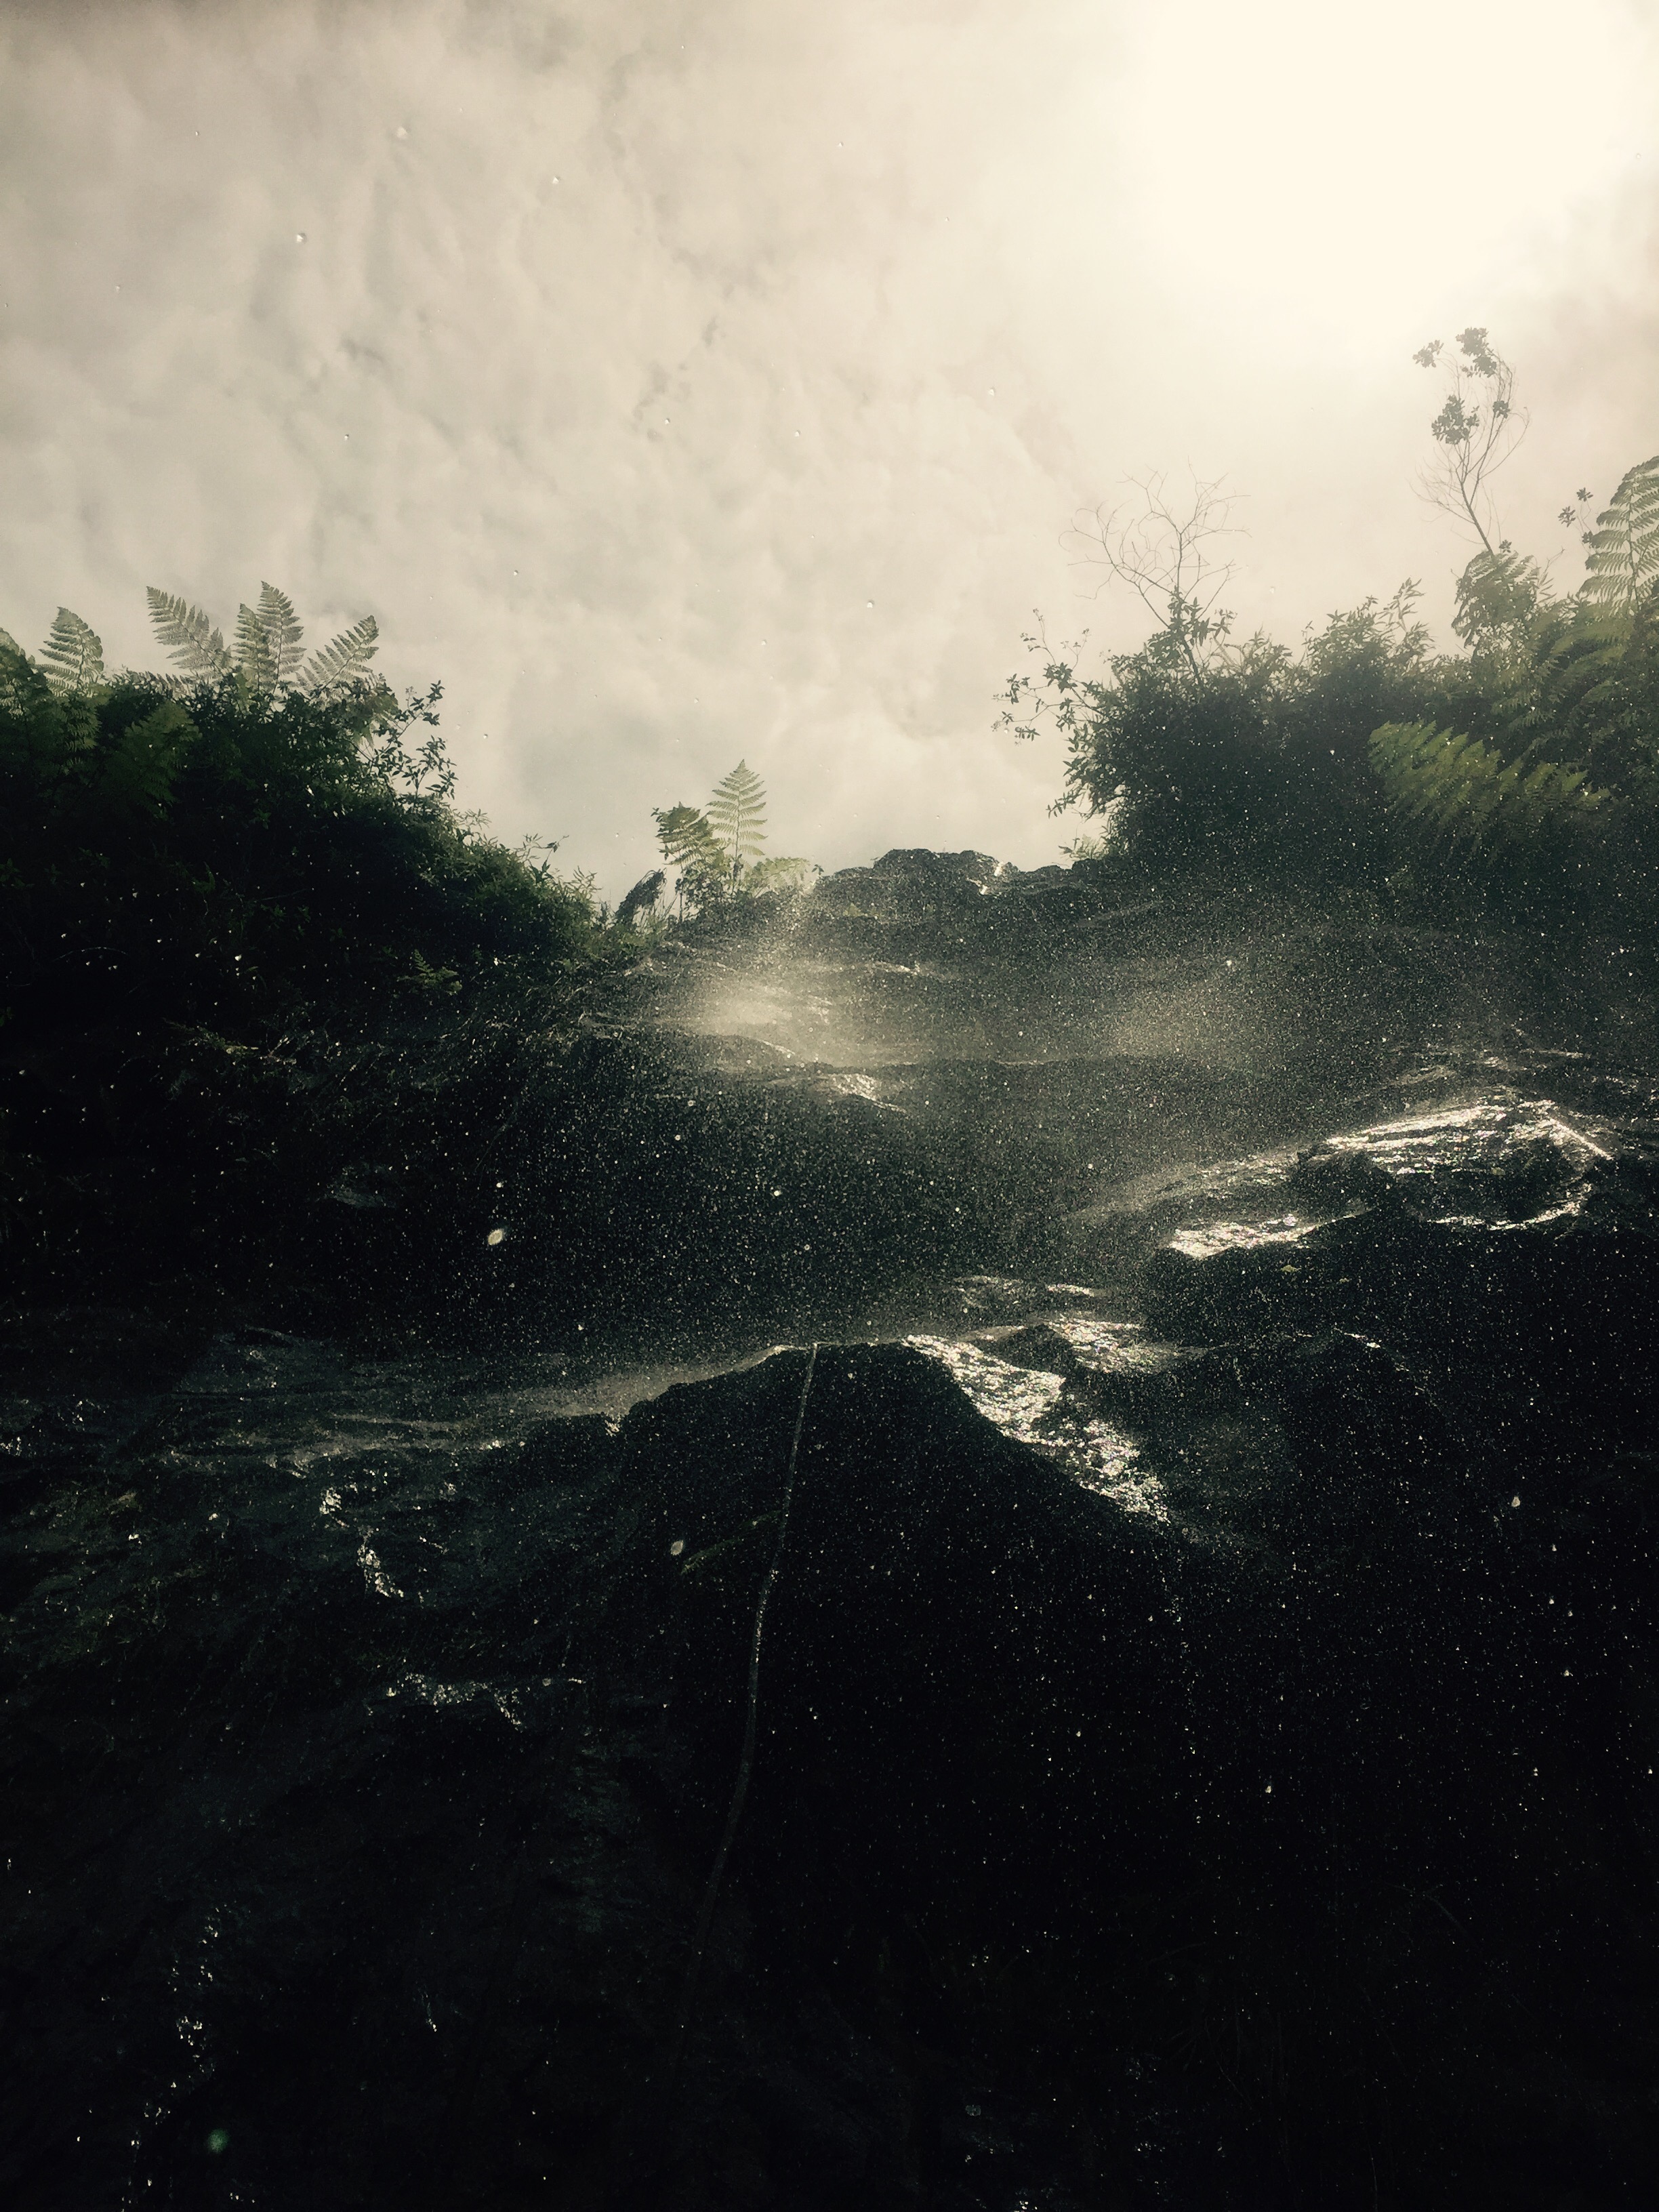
<point>255,664</point>
<point>737,812</point>
<point>686,839</point>
<point>284,635</point>
<point>194,645</point>
<point>342,661</point>
<point>21,684</point>
<point>1465,794</point>
<point>1623,561</point>
<point>268,641</point>
<point>72,658</point>
<point>1498,593</point>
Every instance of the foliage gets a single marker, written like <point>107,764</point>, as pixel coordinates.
<point>1258,755</point>
<point>641,900</point>
<point>1525,765</point>
<point>1623,561</point>
<point>690,844</point>
<point>220,847</point>
<point>1465,794</point>
<point>1478,428</point>
<point>269,643</point>
<point>736,813</point>
<point>783,872</point>
<point>717,850</point>
<point>72,658</point>
<point>212,882</point>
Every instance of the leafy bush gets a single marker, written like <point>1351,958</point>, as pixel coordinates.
<point>223,846</point>
<point>215,886</point>
<point>1523,767</point>
<point>1256,758</point>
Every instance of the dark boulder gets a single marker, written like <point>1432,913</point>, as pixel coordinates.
<point>1310,1665</point>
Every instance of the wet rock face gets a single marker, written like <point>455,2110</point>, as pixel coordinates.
<point>1202,1749</point>
<point>1503,1226</point>
<point>1204,1676</point>
<point>1204,1721</point>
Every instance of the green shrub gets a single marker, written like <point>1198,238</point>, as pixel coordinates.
<point>221,851</point>
<point>1255,759</point>
<point>1523,767</point>
<point>231,900</point>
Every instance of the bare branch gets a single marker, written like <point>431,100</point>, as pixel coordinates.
<point>1158,549</point>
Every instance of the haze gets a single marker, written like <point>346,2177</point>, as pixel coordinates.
<point>680,382</point>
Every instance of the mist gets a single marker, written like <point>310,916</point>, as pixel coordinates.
<point>677,383</point>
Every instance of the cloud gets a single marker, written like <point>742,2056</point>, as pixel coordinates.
<point>680,381</point>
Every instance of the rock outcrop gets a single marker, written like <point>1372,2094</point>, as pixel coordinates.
<point>1168,1715</point>
<point>1199,1741</point>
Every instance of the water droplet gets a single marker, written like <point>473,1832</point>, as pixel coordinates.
<point>402,133</point>
<point>299,237</point>
<point>869,603</point>
<point>497,1237</point>
<point>1515,1501</point>
<point>677,1547</point>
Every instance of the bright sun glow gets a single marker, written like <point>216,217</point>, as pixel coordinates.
<point>1346,166</point>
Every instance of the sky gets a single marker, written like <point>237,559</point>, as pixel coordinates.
<point>680,380</point>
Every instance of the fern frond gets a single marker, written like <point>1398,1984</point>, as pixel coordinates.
<point>341,661</point>
<point>784,871</point>
<point>255,664</point>
<point>72,658</point>
<point>1623,561</point>
<point>21,684</point>
<point>283,634</point>
<point>736,814</point>
<point>193,644</point>
<point>1465,794</point>
<point>1497,593</point>
<point>686,838</point>
<point>37,745</point>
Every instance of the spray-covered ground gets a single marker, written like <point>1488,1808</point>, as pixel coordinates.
<point>1204,1726</point>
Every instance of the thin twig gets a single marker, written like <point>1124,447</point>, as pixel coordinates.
<point>745,1764</point>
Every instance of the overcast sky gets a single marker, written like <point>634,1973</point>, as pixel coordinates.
<point>683,381</point>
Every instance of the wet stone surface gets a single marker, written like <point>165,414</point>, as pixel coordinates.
<point>1204,1728</point>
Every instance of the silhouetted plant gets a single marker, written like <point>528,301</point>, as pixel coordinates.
<point>1478,428</point>
<point>736,814</point>
<point>1524,764</point>
<point>266,827</point>
<point>267,653</point>
<point>214,884</point>
<point>718,849</point>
